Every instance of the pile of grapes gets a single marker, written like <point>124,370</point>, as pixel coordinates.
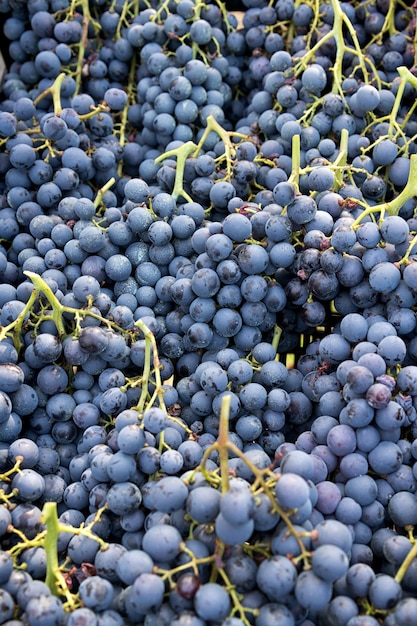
<point>208,295</point>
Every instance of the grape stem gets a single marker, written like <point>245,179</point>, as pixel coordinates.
<point>223,445</point>
<point>54,577</point>
<point>86,20</point>
<point>225,136</point>
<point>341,160</point>
<point>412,554</point>
<point>276,338</point>
<point>150,351</point>
<point>181,153</point>
<point>405,77</point>
<point>99,197</point>
<point>55,91</point>
<point>296,161</point>
<point>189,148</point>
<point>340,21</point>
<point>48,539</point>
<point>393,206</point>
<point>223,442</point>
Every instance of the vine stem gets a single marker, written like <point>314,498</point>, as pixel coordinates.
<point>150,351</point>
<point>406,563</point>
<point>102,191</point>
<point>296,161</point>
<point>189,148</point>
<point>393,206</point>
<point>223,443</point>
<point>276,337</point>
<point>181,153</point>
<point>57,309</point>
<point>405,77</point>
<point>341,160</point>
<point>225,136</point>
<point>55,91</point>
<point>54,577</point>
<point>86,20</point>
<point>340,20</point>
<point>15,327</point>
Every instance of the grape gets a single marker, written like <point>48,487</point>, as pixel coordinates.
<point>362,620</point>
<point>276,577</point>
<point>26,449</point>
<point>404,610</point>
<point>329,562</point>
<point>212,602</point>
<point>29,485</point>
<point>82,615</point>
<point>329,497</point>
<point>162,542</point>
<point>384,591</point>
<point>291,490</point>
<point>274,613</point>
<point>386,455</point>
<point>147,593</point>
<point>123,497</point>
<point>342,609</point>
<point>402,508</point>
<point>203,504</point>
<point>96,593</point>
<point>312,592</point>
<point>283,543</point>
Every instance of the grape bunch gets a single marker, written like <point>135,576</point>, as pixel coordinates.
<point>208,337</point>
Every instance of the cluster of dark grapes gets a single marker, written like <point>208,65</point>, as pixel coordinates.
<point>208,334</point>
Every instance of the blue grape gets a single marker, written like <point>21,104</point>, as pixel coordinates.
<point>212,602</point>
<point>123,497</point>
<point>96,593</point>
<point>237,506</point>
<point>402,508</point>
<point>291,490</point>
<point>384,592</point>
<point>312,592</point>
<point>147,593</point>
<point>162,542</point>
<point>276,576</point>
<point>329,562</point>
<point>203,504</point>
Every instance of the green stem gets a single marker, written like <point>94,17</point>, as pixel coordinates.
<point>150,350</point>
<point>406,256</point>
<point>124,114</point>
<point>340,20</point>
<point>223,443</point>
<point>405,77</point>
<point>57,308</point>
<point>54,578</point>
<point>16,327</point>
<point>406,563</point>
<point>296,161</point>
<point>102,191</point>
<point>182,153</point>
<point>225,136</point>
<point>276,337</point>
<point>393,206</point>
<point>86,20</point>
<point>340,162</point>
<point>55,91</point>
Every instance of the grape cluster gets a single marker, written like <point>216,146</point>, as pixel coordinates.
<point>208,339</point>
